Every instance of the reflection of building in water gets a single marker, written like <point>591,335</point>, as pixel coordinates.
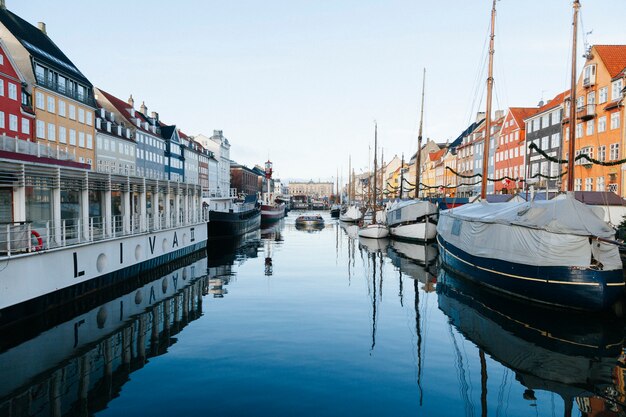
<point>572,355</point>
<point>77,367</point>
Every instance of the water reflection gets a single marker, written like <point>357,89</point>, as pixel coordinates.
<point>76,366</point>
<point>562,352</point>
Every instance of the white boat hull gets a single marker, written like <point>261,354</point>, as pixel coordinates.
<point>374,231</point>
<point>419,232</point>
<point>28,276</point>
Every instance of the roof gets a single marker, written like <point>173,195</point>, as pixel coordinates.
<point>168,131</point>
<point>521,113</point>
<point>435,156</point>
<point>40,46</point>
<point>551,104</point>
<point>613,57</point>
<point>122,108</point>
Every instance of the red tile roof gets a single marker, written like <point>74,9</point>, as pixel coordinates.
<point>521,113</point>
<point>122,107</point>
<point>551,104</point>
<point>435,156</point>
<point>613,57</point>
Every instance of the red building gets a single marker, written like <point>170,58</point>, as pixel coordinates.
<point>510,148</point>
<point>17,117</point>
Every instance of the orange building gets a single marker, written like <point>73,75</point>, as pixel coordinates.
<point>599,120</point>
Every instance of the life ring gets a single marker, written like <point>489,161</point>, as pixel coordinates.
<point>37,236</point>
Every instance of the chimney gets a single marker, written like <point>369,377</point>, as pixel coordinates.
<point>3,5</point>
<point>41,26</point>
<point>143,108</point>
<point>131,102</point>
<point>155,116</point>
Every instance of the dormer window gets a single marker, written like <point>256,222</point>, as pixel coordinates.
<point>589,75</point>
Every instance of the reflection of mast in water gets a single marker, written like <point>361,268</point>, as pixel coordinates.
<point>373,301</point>
<point>463,386</point>
<point>400,287</point>
<point>483,383</point>
<point>418,331</point>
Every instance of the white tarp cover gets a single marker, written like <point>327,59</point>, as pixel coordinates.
<point>410,210</point>
<point>542,233</point>
<point>352,213</point>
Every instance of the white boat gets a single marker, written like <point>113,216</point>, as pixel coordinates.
<point>73,252</point>
<point>412,220</point>
<point>374,231</point>
<point>352,215</point>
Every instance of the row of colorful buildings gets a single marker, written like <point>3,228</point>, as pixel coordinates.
<point>513,164</point>
<point>45,100</point>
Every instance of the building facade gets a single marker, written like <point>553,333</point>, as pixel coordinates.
<point>317,190</point>
<point>115,150</point>
<point>63,97</point>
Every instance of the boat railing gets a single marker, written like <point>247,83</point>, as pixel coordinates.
<point>30,237</point>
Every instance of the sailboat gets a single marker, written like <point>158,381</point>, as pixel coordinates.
<point>555,252</point>
<point>374,230</point>
<point>352,214</point>
<point>414,220</point>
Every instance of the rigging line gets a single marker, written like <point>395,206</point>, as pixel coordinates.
<point>463,385</point>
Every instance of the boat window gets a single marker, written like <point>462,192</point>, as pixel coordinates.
<point>456,227</point>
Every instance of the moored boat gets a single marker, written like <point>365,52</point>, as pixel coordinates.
<point>234,218</point>
<point>412,220</point>
<point>310,220</point>
<point>352,215</point>
<point>271,213</point>
<point>558,252</point>
<point>335,211</point>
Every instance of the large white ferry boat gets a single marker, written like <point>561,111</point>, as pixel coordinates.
<point>75,231</point>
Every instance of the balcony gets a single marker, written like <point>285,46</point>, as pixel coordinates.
<point>586,112</point>
<point>589,81</point>
<point>50,84</point>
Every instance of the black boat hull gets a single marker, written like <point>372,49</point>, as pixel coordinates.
<point>223,224</point>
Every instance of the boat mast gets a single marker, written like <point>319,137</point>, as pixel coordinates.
<point>572,103</point>
<point>375,172</point>
<point>402,176</point>
<point>349,179</point>
<point>418,156</point>
<point>487,139</point>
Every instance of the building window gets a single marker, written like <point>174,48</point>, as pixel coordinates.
<point>81,139</point>
<point>62,134</point>
<point>1,87</point>
<point>615,120</point>
<point>590,128</point>
<point>72,112</point>
<point>89,141</point>
<point>41,129</point>
<point>614,151</point>
<point>12,91</point>
<point>601,124</point>
<point>52,136</point>
<point>616,89</point>
<point>39,100</point>
<point>603,95</point>
<point>25,126</point>
<point>61,108</point>
<point>81,115</point>
<point>578,182</point>
<point>89,118</point>
<point>602,153</point>
<point>72,137</point>
<point>13,123</point>
<point>555,140</point>
<point>589,184</point>
<point>579,130</point>
<point>2,119</point>
<point>600,184</point>
<point>51,104</point>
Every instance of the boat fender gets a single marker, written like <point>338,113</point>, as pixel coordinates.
<point>36,235</point>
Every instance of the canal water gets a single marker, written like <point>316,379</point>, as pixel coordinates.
<point>310,322</point>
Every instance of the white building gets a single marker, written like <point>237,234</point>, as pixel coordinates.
<point>220,147</point>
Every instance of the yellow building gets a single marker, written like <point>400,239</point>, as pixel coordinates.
<point>62,96</point>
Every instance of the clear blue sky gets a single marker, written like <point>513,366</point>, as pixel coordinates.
<point>301,81</point>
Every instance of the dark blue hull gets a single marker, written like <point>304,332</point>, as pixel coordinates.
<point>568,287</point>
<point>222,225</point>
